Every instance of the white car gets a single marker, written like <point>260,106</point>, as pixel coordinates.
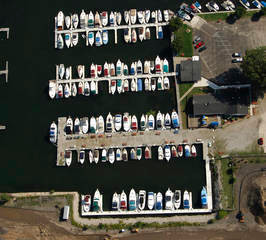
<point>237,60</point>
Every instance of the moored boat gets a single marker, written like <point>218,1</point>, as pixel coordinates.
<point>160,153</point>
<point>86,202</point>
<point>69,126</point>
<point>104,18</point>
<point>139,67</point>
<point>84,125</point>
<point>166,15</point>
<point>97,20</point>
<point>119,85</point>
<point>133,35</point>
<point>159,123</point>
<point>151,200</point>
<point>143,122</point>
<point>106,70</point>
<point>167,153</point>
<point>118,122</point>
<point>126,122</point>
<point>124,155</point>
<point>141,199</point>
<point>104,155</point>
<point>204,198</point>
<point>177,199</point>
<point>112,19</point>
<point>175,119</point>
<point>134,123</point>
<point>139,153</point>
<point>81,88</point>
<point>60,20</point>
<point>147,16</point>
<point>118,18</point>
<point>60,91</point>
<point>81,157</point>
<point>118,154</point>
<point>173,151</point>
<point>91,38</point>
<point>68,157</point>
<point>75,20</point>
<point>100,124</point>
<point>169,200</point>
<point>141,18</point>
<point>60,42</point>
<point>132,200</point>
<point>186,200</point>
<point>118,67</point>
<point>159,16</point>
<point>91,159</point>
<point>105,37</point>
<point>97,201</point>
<point>166,83</point>
<point>67,40</point>
<point>96,156</point>
<point>133,68</point>
<point>52,89</point>
<point>160,33</point>
<point>74,90</point>
<point>111,155</point>
<point>90,20</point>
<point>126,16</point>
<point>151,122</point>
<point>159,201</point>
<point>193,151</point>
<point>133,155</point>
<point>133,85</point>
<point>133,16</point>
<point>113,86</point>
<point>158,65</point>
<point>98,39</point>
<point>167,121</point>
<point>115,202</point>
<point>109,123</point>
<point>153,84</point>
<point>180,150</point>
<point>123,201</point>
<point>93,70</point>
<point>165,66</point>
<point>75,39</point>
<point>187,150</point>
<point>53,133</point>
<point>147,153</point>
<point>77,126</point>
<point>93,125</point>
<point>86,89</point>
<point>141,32</point>
<point>127,35</point>
<point>125,86</point>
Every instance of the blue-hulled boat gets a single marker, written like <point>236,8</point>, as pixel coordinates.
<point>105,37</point>
<point>186,200</point>
<point>175,119</point>
<point>160,33</point>
<point>245,2</point>
<point>197,5</point>
<point>204,201</point>
<point>187,151</point>
<point>139,85</point>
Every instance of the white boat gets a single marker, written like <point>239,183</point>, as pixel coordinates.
<point>169,200</point>
<point>91,159</point>
<point>91,38</point>
<point>159,16</point>
<point>106,72</point>
<point>141,31</point>
<point>151,66</point>
<point>84,124</point>
<point>141,17</point>
<point>160,153</point>
<point>104,18</point>
<point>118,122</point>
<point>125,70</point>
<point>126,16</point>
<point>109,123</point>
<point>125,86</point>
<point>167,153</point>
<point>159,121</point>
<point>52,89</point>
<point>166,15</point>
<point>143,122</point>
<point>60,42</point>
<point>139,67</point>
<point>193,151</point>
<point>118,68</point>
<point>98,39</point>
<point>53,133</point>
<point>256,4</point>
<point>60,20</point>
<point>97,20</point>
<point>153,16</point>
<point>90,23</point>
<point>123,201</point>
<point>93,71</point>
<point>118,154</point>
<point>104,155</point>
<point>113,86</point>
<point>166,83</point>
<point>66,91</point>
<point>115,202</point>
<point>69,126</point>
<point>67,40</point>
<point>67,21</point>
<point>214,5</point>
<point>86,202</point>
<point>111,155</point>
<point>82,156</point>
<point>100,124</point>
<point>75,20</point>
<point>60,91</point>
<point>147,16</point>
<point>175,119</point>
<point>112,69</point>
<point>127,35</point>
<point>139,153</point>
<point>126,122</point>
<point>151,200</point>
<point>160,33</point>
<point>97,201</point>
<point>133,16</point>
<point>160,84</point>
<point>177,199</point>
<point>118,18</point>
<point>133,85</point>
<point>134,123</point>
<point>86,88</point>
<point>133,69</point>
<point>186,200</point>
<point>151,122</point>
<point>245,2</point>
<point>77,126</point>
<point>133,35</point>
<point>119,85</point>
<point>61,71</point>
<point>132,200</point>
<point>124,154</point>
<point>153,84</point>
<point>180,150</point>
<point>93,125</point>
<point>68,157</point>
<point>80,70</point>
<point>158,68</point>
<point>105,37</point>
<point>167,121</point>
<point>75,38</point>
<point>146,67</point>
<point>133,155</point>
<point>67,74</point>
<point>141,199</point>
<point>173,151</point>
<point>147,84</point>
<point>80,88</point>
<point>159,201</point>
<point>82,18</point>
<point>165,66</point>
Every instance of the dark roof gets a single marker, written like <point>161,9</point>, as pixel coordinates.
<point>220,104</point>
<point>190,71</point>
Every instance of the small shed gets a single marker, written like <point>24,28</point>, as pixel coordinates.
<point>66,213</point>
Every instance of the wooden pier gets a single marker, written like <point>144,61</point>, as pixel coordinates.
<point>5,30</point>
<point>5,71</point>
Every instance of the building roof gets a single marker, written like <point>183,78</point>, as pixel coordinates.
<point>224,103</point>
<point>190,70</point>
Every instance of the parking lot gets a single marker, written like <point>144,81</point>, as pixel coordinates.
<point>222,40</point>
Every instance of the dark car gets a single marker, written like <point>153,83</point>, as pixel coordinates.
<point>236,54</point>
<point>260,141</point>
<point>202,49</point>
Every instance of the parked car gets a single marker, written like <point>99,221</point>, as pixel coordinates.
<point>236,54</point>
<point>196,39</point>
<point>237,60</point>
<point>202,49</point>
<point>199,44</point>
<point>260,141</point>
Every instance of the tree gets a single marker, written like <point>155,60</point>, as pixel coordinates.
<point>178,43</point>
<point>240,11</point>
<point>175,24</point>
<point>4,198</point>
<point>254,67</point>
<point>263,11</point>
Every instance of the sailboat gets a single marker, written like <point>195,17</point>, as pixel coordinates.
<point>68,157</point>
<point>177,199</point>
<point>169,200</point>
<point>151,200</point>
<point>53,132</point>
<point>141,199</point>
<point>104,18</point>
<point>126,122</point>
<point>132,200</point>
<point>139,153</point>
<point>91,38</point>
<point>115,202</point>
<point>123,201</point>
<point>160,153</point>
<point>111,155</point>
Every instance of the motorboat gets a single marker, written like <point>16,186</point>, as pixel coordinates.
<point>173,151</point>
<point>93,125</point>
<point>169,200</point>
<point>165,66</point>
<point>84,125</point>
<point>76,126</point>
<point>139,67</point>
<point>141,17</point>
<point>75,20</point>
<point>91,38</point>
<point>180,150</point>
<point>97,201</point>
<point>111,155</point>
<point>134,123</point>
<point>126,16</point>
<point>91,159</point>
<point>86,202</point>
<point>119,85</point>
<point>152,66</point>
<point>151,122</point>
<point>147,16</point>
<point>113,86</point>
<point>167,153</point>
<point>159,16</point>
<point>133,85</point>
<point>81,88</point>
<point>141,199</point>
<point>256,4</point>
<point>186,200</point>
<point>133,155</point>
<point>166,15</point>
<point>177,199</point>
<point>67,21</point>
<point>61,71</point>
<point>106,72</point>
<point>132,200</point>
<point>81,157</point>
<point>160,153</point>
<point>69,126</point>
<point>93,87</point>
<point>104,155</point>
<point>123,201</point>
<point>112,19</point>
<point>225,5</point>
<point>60,42</point>
<point>118,154</point>
<point>143,122</point>
<point>98,39</point>
<point>166,83</point>
<point>204,198</point>
<point>104,18</point>
<point>90,20</point>
<point>125,70</point>
<point>175,119</point>
<point>160,33</point>
<point>109,123</point>
<point>139,153</point>
<point>93,70</point>
<point>127,35</point>
<point>159,122</point>
<point>80,70</point>
<point>183,15</point>
<point>125,86</point>
<point>147,84</point>
<point>112,69</point>
<point>158,65</point>
<point>52,89</point>
<point>53,133</point>
<point>147,153</point>
<point>141,31</point>
<point>153,16</point>
<point>153,84</point>
<point>133,35</point>
<point>139,85</point>
<point>115,202</point>
<point>159,84</point>
<point>187,150</point>
<point>67,40</point>
<point>197,4</point>
<point>245,2</point>
<point>146,67</point>
<point>60,91</point>
<point>118,18</point>
<point>159,201</point>
<point>167,121</point>
<point>82,18</point>
<point>124,155</point>
<point>133,16</point>
<point>193,151</point>
<point>118,122</point>
<point>96,156</point>
<point>151,200</point>
<point>133,68</point>
<point>214,5</point>
<point>100,124</point>
<point>67,73</point>
<point>105,37</point>
<point>99,69</point>
<point>60,20</point>
<point>75,38</point>
<point>97,20</point>
<point>126,122</point>
<point>118,67</point>
<point>74,90</point>
<point>68,157</point>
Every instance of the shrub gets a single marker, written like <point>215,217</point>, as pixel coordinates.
<point>4,197</point>
<point>221,214</point>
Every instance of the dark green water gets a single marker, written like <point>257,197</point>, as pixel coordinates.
<point>27,159</point>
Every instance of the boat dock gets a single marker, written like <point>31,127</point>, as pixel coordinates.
<point>5,30</point>
<point>5,71</point>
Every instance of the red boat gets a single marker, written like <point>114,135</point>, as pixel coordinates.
<point>180,150</point>
<point>174,152</point>
<point>93,74</point>
<point>99,70</point>
<point>147,153</point>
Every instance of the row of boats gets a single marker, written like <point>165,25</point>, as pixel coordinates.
<point>142,200</point>
<point>103,19</point>
<point>117,154</point>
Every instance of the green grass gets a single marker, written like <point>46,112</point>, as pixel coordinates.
<point>183,88</point>
<point>221,214</point>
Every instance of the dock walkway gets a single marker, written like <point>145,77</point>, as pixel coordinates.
<point>5,30</point>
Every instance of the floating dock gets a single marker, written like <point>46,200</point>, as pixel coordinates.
<point>5,30</point>
<point>5,71</point>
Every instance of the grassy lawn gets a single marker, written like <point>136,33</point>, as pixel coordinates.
<point>184,87</point>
